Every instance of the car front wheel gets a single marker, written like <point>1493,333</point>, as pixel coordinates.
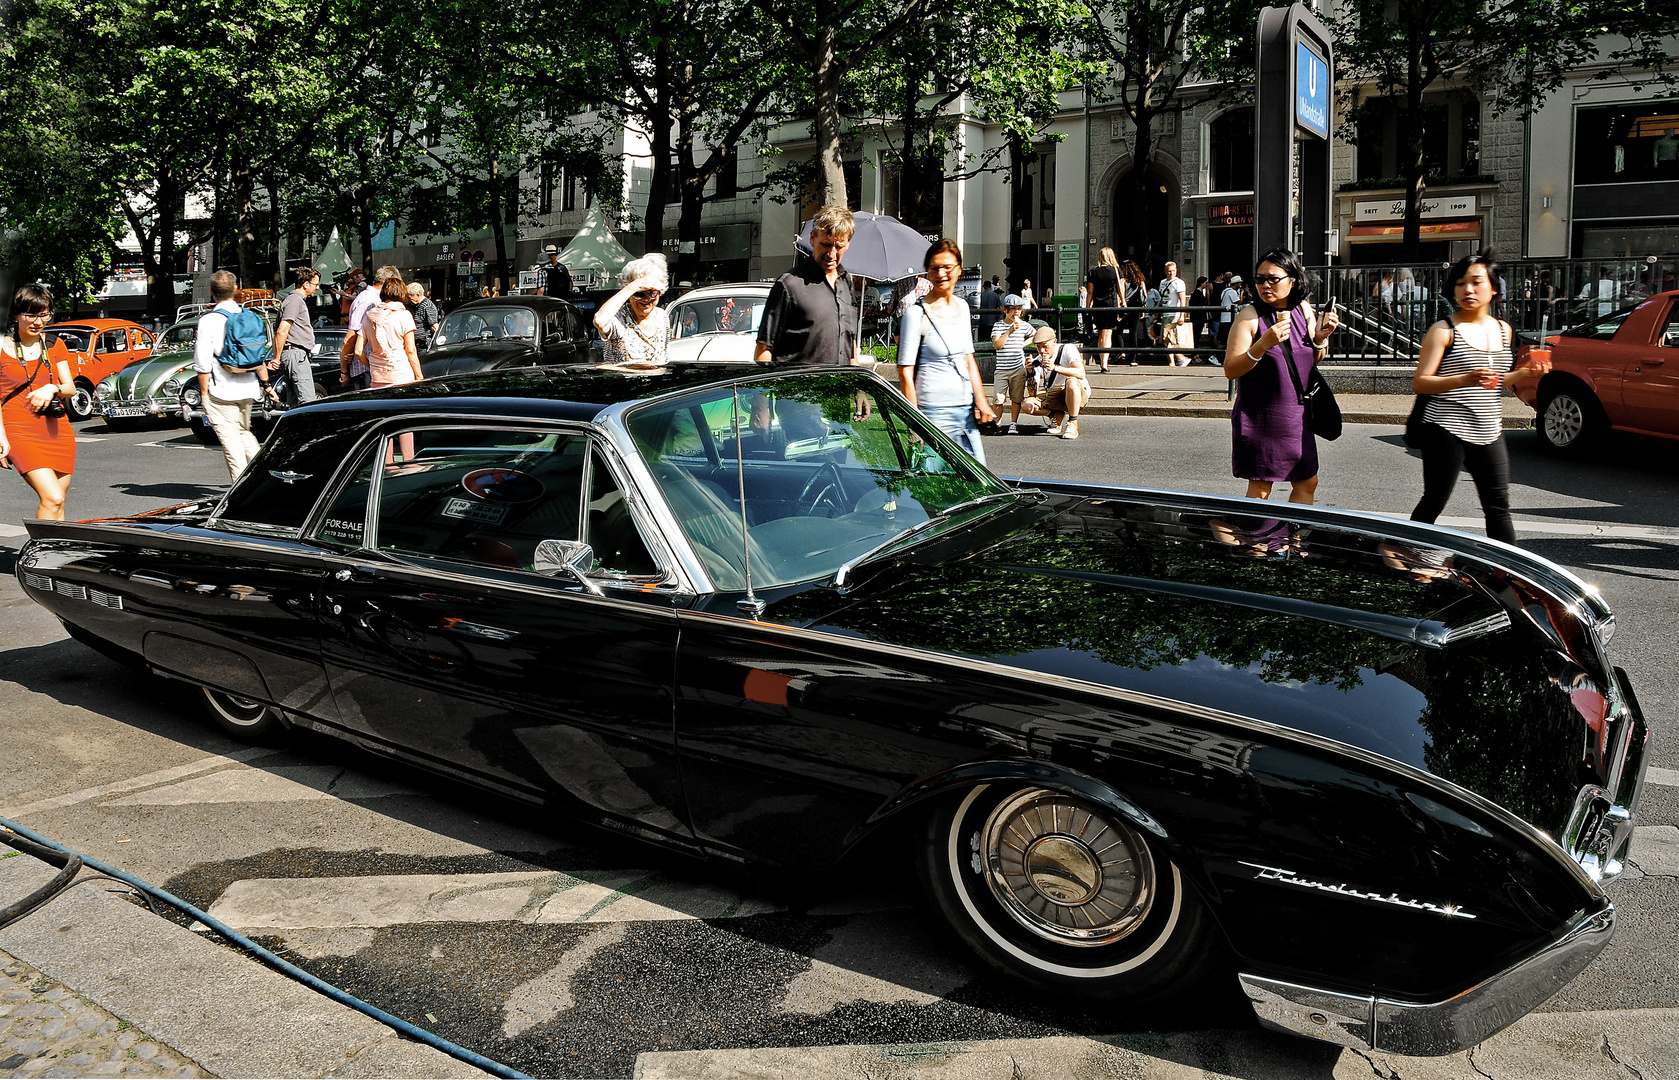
<point>1569,419</point>
<point>79,406</point>
<point>241,717</point>
<point>1056,889</point>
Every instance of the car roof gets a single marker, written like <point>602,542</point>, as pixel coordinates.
<point>536,303</point>
<point>555,392</point>
<point>97,325</point>
<point>701,292</point>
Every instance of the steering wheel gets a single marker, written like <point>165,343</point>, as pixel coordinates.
<point>826,487</point>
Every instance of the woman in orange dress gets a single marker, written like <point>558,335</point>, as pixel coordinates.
<point>33,376</point>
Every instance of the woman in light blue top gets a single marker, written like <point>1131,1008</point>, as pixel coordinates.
<point>936,366</point>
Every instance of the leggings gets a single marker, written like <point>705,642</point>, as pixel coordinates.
<point>1444,455</point>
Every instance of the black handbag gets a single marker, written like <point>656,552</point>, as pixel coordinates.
<point>1323,412</point>
<point>1413,423</point>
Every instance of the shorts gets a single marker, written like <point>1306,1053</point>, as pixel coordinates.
<point>1054,399</point>
<point>1010,386</point>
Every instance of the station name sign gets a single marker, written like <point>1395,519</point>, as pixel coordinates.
<point>1311,90</point>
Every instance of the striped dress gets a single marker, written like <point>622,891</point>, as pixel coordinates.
<point>1472,413</point>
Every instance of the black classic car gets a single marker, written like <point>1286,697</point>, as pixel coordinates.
<point>507,332</point>
<point>1384,769</point>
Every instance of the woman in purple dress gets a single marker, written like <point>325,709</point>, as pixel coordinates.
<point>1272,440</point>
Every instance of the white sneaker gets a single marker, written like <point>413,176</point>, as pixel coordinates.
<point>1054,429</point>
<point>1014,429</point>
<point>1072,431</point>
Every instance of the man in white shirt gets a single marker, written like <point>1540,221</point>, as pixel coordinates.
<point>351,370</point>
<point>1229,300</point>
<point>1175,294</point>
<point>227,395</point>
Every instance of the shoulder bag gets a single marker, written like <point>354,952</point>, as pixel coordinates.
<point>1323,412</point>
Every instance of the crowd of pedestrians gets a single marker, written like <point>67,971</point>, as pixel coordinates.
<point>1271,334</point>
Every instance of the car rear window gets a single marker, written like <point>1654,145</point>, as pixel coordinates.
<point>277,492</point>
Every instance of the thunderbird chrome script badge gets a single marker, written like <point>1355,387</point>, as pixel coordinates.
<point>1289,877</point>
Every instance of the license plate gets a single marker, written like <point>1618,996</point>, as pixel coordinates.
<point>125,410</point>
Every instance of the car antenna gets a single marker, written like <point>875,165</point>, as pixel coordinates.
<point>751,606</point>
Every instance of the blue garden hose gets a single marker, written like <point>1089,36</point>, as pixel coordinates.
<point>396,1023</point>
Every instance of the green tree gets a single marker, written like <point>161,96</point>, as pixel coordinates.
<point>1394,54</point>
<point>1155,48</point>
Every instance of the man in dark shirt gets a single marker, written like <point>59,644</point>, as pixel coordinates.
<point>556,279</point>
<point>811,317</point>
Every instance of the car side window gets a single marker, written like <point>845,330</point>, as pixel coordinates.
<point>486,496</point>
<point>553,327</point>
<point>344,525</point>
<point>1669,337</point>
<point>620,551</point>
<point>113,341</point>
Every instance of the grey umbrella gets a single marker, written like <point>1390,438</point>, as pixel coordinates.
<point>882,249</point>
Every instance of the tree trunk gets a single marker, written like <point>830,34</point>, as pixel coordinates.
<point>825,62</point>
<point>498,224</point>
<point>160,259</point>
<point>908,186</point>
<point>1017,212</point>
<point>1411,133</point>
<point>691,187</point>
<point>245,227</point>
<point>658,140</point>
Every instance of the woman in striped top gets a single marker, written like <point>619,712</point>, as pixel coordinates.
<point>1465,362</point>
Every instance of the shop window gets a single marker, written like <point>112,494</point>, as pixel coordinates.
<point>545,189</point>
<point>1630,143</point>
<point>1231,149</point>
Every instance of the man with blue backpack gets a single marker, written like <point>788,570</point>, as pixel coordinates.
<point>230,354</point>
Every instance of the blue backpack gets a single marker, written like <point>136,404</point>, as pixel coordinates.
<point>244,343</point>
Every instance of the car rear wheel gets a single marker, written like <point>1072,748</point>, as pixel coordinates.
<point>1570,419</point>
<point>1053,888</point>
<point>204,433</point>
<point>241,717</point>
<point>79,407</point>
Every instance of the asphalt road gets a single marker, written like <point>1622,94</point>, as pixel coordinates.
<point>566,952</point>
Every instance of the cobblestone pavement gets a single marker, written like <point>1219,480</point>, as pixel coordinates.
<point>46,1030</point>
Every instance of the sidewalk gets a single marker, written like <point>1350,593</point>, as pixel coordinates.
<point>93,984</point>
<point>1366,396</point>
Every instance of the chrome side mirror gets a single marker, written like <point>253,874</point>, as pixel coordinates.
<point>554,557</point>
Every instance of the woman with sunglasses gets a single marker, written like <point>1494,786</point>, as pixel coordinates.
<point>35,435</point>
<point>1273,346</point>
<point>631,322</point>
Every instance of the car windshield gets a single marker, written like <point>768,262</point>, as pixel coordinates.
<point>1602,329</point>
<point>74,339</point>
<point>328,342</point>
<point>736,313</point>
<point>178,336</point>
<point>832,468</point>
<point>487,324</point>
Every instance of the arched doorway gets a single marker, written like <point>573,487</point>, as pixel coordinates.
<point>1142,224</point>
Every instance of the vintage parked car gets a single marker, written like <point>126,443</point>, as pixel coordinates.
<point>151,389</point>
<point>507,332</point>
<point>1618,371</point>
<point>99,347</point>
<point>1376,771</point>
<point>717,323</point>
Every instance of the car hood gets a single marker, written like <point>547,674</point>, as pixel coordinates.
<point>713,348</point>
<point>143,378</point>
<point>1336,633</point>
<point>470,356</point>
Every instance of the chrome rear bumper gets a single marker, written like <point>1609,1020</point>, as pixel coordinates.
<point>1429,1029</point>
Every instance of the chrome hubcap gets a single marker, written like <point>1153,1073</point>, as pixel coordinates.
<point>1066,871</point>
<point>1563,420</point>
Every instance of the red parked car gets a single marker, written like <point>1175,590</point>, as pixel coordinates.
<point>1620,371</point>
<point>99,347</point>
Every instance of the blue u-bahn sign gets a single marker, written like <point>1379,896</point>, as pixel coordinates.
<point>1311,90</point>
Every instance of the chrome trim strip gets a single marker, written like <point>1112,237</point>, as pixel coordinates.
<point>37,581</point>
<point>964,665</point>
<point>1431,1029</point>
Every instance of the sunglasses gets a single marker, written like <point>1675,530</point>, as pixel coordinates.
<point>1270,279</point>
<point>648,294</point>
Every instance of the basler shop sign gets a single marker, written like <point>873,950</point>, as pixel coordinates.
<point>1442,206</point>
